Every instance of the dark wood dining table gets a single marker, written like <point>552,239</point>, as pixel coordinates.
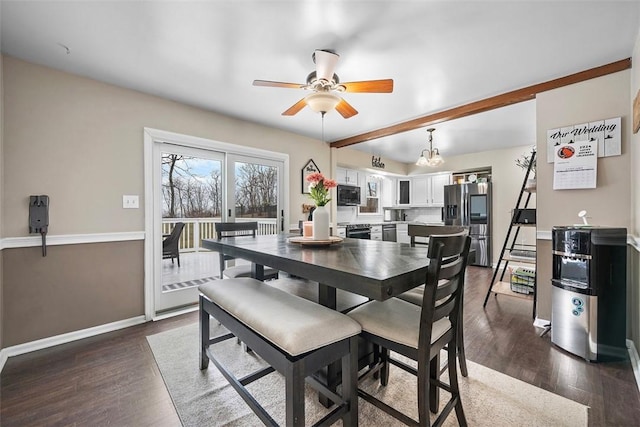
<point>374,269</point>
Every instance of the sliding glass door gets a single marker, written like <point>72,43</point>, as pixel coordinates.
<point>191,187</point>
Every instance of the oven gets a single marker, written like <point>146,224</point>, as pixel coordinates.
<point>359,231</point>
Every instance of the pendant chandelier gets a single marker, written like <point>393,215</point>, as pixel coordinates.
<point>430,157</point>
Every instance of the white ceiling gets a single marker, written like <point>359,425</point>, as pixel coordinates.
<point>439,54</point>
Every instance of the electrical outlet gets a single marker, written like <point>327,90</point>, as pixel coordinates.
<point>130,202</point>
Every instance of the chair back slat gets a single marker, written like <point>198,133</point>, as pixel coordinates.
<point>446,288</point>
<point>452,268</point>
<point>444,309</point>
<point>234,229</point>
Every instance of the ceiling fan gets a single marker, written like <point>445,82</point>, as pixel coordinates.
<point>325,85</point>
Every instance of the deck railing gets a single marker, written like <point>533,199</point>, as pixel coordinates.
<point>196,229</point>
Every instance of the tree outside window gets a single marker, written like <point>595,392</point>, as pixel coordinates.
<point>372,196</point>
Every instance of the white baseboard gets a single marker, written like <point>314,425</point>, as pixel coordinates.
<point>28,347</point>
<point>635,361</point>
<point>541,323</point>
<point>3,358</point>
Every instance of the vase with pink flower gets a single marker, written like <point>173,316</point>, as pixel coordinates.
<point>319,187</point>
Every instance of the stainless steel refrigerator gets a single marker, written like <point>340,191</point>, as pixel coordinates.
<point>469,205</point>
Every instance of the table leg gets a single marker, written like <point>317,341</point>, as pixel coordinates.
<point>257,271</point>
<point>327,296</point>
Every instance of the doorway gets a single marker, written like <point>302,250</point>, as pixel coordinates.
<point>197,183</point>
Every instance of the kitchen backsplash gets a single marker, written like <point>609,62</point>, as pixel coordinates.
<point>430,215</point>
<point>350,214</point>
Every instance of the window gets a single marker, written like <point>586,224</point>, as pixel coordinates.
<point>371,203</point>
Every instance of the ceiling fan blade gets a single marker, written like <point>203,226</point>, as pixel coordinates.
<point>295,108</point>
<point>278,84</point>
<point>325,63</point>
<point>371,86</point>
<point>345,109</point>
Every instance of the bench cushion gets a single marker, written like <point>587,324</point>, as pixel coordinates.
<point>293,324</point>
<point>396,320</point>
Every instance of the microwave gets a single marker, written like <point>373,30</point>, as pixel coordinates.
<point>348,195</point>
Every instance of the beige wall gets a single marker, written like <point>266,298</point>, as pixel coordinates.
<point>609,204</point>
<point>74,287</point>
<point>356,159</point>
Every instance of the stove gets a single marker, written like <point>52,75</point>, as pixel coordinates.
<point>359,231</point>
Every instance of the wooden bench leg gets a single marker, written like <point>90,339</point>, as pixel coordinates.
<point>294,380</point>
<point>350,383</point>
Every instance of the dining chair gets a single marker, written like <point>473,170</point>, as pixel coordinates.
<point>415,295</point>
<point>171,243</point>
<point>226,230</point>
<point>420,332</point>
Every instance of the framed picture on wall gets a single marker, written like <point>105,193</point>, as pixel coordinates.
<point>307,170</point>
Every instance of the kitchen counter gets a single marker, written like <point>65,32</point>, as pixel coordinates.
<point>344,224</point>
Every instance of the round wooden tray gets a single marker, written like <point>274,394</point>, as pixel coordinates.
<point>309,241</point>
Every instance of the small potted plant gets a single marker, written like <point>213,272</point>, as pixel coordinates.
<point>524,162</point>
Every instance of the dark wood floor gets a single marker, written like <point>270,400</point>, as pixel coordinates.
<point>112,379</point>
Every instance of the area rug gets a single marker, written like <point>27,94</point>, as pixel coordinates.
<point>204,398</point>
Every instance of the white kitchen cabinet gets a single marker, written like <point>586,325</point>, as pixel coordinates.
<point>347,176</point>
<point>376,232</point>
<point>341,232</point>
<point>402,233</point>
<point>421,190</point>
<point>438,181</point>
<point>428,190</point>
<point>388,192</point>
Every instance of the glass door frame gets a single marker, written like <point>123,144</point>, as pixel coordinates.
<point>153,235</point>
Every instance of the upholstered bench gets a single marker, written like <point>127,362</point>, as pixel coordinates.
<point>294,336</point>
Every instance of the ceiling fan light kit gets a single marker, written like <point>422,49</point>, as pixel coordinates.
<point>325,85</point>
<point>433,157</point>
<point>321,102</point>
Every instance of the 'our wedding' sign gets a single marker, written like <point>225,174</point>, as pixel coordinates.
<point>606,133</point>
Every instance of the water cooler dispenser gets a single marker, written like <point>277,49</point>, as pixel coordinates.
<point>588,315</point>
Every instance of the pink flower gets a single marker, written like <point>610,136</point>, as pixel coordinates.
<point>319,188</point>
<point>315,178</point>
<point>330,183</point>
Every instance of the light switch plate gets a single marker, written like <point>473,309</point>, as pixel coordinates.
<point>130,202</point>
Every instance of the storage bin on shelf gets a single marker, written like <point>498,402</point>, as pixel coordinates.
<point>522,280</point>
